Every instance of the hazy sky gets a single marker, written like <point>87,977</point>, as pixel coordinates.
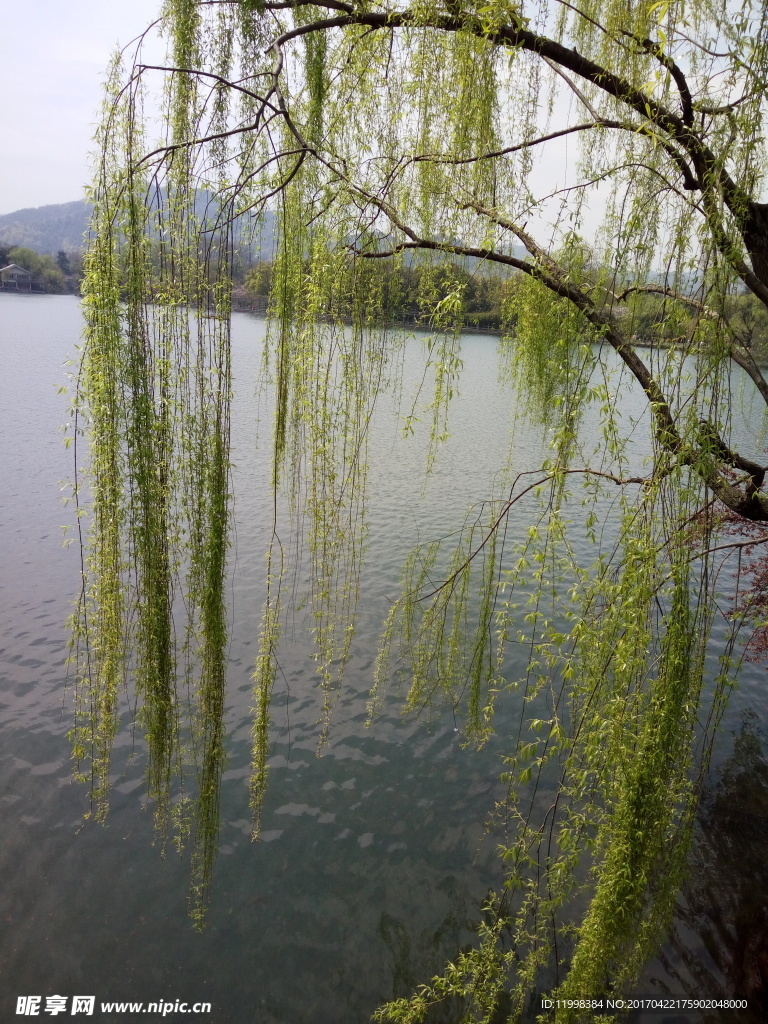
<point>53,55</point>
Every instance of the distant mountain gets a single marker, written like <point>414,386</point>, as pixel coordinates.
<point>47,229</point>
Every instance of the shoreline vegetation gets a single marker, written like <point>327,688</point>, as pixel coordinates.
<point>61,275</point>
<point>409,295</point>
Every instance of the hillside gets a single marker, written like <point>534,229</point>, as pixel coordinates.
<point>62,226</point>
<point>46,229</point>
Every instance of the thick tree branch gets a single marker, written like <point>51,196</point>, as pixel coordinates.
<point>712,441</point>
<point>752,504</point>
<point>709,174</point>
<point>666,61</point>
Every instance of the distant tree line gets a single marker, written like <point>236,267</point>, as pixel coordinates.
<point>407,293</point>
<point>412,294</point>
<point>56,276</point>
<point>654,316</point>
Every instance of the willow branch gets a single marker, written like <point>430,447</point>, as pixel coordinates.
<point>675,71</point>
<point>744,358</point>
<point>571,85</point>
<point>599,122</point>
<point>738,545</point>
<point>752,504</point>
<point>620,481</point>
<point>516,35</point>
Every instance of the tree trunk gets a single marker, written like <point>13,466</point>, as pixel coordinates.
<point>756,239</point>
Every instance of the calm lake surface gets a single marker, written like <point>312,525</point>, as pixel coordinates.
<point>375,857</point>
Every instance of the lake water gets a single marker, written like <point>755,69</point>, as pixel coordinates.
<point>374,858</point>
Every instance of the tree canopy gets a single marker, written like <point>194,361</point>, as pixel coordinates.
<point>44,269</point>
<point>601,159</point>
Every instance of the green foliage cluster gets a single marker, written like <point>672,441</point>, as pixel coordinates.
<point>748,319</point>
<point>47,274</point>
<point>394,143</point>
<point>409,293</point>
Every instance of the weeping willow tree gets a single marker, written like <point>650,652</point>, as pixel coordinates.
<point>379,135</point>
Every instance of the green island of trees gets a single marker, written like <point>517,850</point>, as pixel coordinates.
<point>398,145</point>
